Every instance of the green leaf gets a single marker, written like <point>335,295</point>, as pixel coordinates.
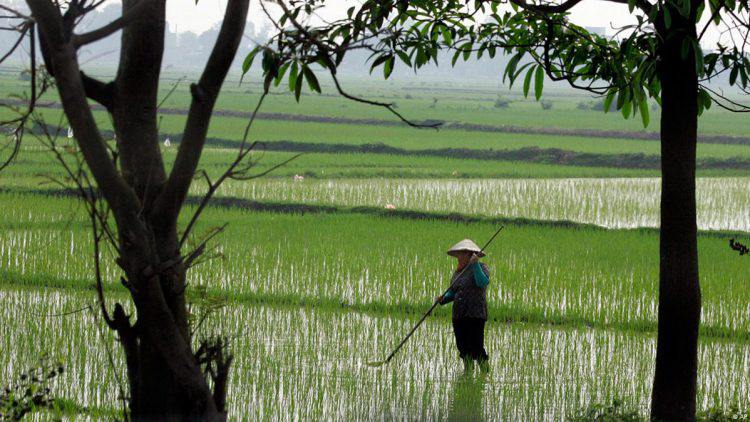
<point>527,81</point>
<point>667,17</point>
<point>685,8</point>
<point>608,99</point>
<point>704,98</point>
<point>627,107</point>
<point>381,59</point>
<point>622,98</point>
<point>631,5</point>
<point>404,57</point>
<point>456,55</point>
<point>267,81</point>
<point>685,48</point>
<point>510,69</point>
<point>388,67</point>
<point>447,36</point>
<point>699,12</point>
<point>518,73</point>
<point>538,82</point>
<point>653,13</point>
<point>312,80</point>
<point>708,101</point>
<point>699,66</point>
<point>293,77</point>
<point>298,87</point>
<point>248,62</point>
<point>282,72</point>
<point>467,51</point>
<point>643,107</point>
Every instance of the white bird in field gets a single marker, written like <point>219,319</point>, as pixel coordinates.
<point>70,132</point>
<point>167,143</point>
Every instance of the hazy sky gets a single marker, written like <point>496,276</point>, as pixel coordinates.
<point>198,18</point>
<point>188,16</point>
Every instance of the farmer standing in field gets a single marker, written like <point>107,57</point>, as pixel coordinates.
<point>468,292</point>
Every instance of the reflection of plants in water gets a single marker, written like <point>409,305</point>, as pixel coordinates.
<point>466,398</point>
<point>617,410</point>
<point>31,391</point>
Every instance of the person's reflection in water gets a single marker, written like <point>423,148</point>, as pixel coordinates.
<point>467,396</point>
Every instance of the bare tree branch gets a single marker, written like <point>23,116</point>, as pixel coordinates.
<point>24,29</point>
<point>72,94</point>
<point>204,95</point>
<point>325,56</point>
<point>101,92</point>
<point>547,7</point>
<point>132,14</point>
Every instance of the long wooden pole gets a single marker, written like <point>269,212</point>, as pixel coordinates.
<point>429,311</point>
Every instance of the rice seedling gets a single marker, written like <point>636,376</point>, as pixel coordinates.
<point>306,364</point>
<point>386,264</point>
<point>313,294</point>
<point>613,203</point>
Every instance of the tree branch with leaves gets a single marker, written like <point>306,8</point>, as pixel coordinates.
<point>657,57</point>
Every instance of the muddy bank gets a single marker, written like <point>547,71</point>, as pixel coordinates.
<point>302,209</point>
<point>553,156</point>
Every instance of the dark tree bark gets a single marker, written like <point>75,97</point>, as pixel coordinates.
<point>165,377</point>
<point>674,389</point>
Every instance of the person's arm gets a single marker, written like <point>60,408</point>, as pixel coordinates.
<point>447,297</point>
<point>481,276</point>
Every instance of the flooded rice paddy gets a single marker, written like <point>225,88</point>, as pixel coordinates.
<point>311,298</point>
<point>723,203</point>
<point>365,262</point>
<point>306,364</point>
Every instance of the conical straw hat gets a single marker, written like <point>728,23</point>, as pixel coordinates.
<point>465,245</point>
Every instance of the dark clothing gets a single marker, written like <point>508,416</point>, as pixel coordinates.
<point>470,338</point>
<point>468,292</point>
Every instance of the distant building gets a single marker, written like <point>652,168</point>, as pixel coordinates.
<point>598,30</point>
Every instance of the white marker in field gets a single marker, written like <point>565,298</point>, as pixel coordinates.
<point>298,178</point>
<point>167,143</point>
<point>70,132</point>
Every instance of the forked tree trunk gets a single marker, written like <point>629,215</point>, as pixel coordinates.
<point>165,375</point>
<point>674,389</point>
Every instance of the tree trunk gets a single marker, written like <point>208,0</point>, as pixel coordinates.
<point>674,389</point>
<point>165,377</point>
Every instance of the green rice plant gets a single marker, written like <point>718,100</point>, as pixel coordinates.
<point>310,364</point>
<point>610,202</point>
<point>718,414</point>
<point>232,128</point>
<point>460,101</point>
<point>542,272</point>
